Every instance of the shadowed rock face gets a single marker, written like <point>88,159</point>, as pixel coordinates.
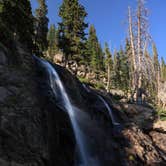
<point>35,130</point>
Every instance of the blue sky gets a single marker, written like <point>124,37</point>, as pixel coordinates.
<point>110,19</point>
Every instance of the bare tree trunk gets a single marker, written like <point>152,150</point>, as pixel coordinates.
<point>139,44</point>
<point>138,32</point>
<point>134,76</point>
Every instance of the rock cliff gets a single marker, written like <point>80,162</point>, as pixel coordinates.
<point>36,131</point>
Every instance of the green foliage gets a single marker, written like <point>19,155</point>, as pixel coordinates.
<point>96,85</point>
<point>116,70</point>
<point>52,38</point>
<point>121,77</point>
<point>41,26</point>
<point>94,54</point>
<point>108,57</point>
<point>108,66</point>
<point>161,112</point>
<point>3,23</point>
<point>71,29</point>
<point>155,59</point>
<point>84,80</point>
<point>163,69</point>
<point>130,69</point>
<point>17,22</point>
<point>99,86</point>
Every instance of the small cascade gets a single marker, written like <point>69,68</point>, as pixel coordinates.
<point>109,110</point>
<point>106,105</point>
<point>57,86</point>
<point>86,88</point>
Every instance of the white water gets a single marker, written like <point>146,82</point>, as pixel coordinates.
<point>86,88</point>
<point>55,83</point>
<point>109,110</point>
<point>106,105</point>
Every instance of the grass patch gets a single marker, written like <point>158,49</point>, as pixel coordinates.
<point>99,86</point>
<point>161,112</point>
<point>84,80</point>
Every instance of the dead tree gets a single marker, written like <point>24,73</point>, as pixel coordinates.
<point>139,37</point>
<point>133,59</point>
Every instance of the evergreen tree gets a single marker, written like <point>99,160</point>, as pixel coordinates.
<point>121,70</point>
<point>109,65</point>
<point>17,21</point>
<point>52,41</point>
<point>116,70</point>
<point>72,29</point>
<point>101,58</point>
<point>155,61</point>
<point>125,71</point>
<point>92,43</point>
<point>128,54</point>
<point>163,70</point>
<point>150,77</point>
<point>41,26</point>
<point>94,51</point>
<point>25,19</point>
<point>156,67</point>
<point>4,22</point>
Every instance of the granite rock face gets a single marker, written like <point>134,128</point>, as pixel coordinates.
<point>30,123</point>
<point>35,130</point>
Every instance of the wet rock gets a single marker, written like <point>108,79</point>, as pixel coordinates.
<point>3,58</point>
<point>4,93</point>
<point>30,122</point>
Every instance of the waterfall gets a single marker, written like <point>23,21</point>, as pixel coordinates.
<point>109,110</point>
<point>106,105</point>
<point>86,88</point>
<point>57,85</point>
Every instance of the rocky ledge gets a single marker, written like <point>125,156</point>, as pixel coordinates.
<point>36,131</point>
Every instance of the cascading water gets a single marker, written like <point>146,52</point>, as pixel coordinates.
<point>57,85</point>
<point>86,88</point>
<point>109,110</point>
<point>106,105</point>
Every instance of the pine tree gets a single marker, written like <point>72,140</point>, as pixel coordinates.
<point>41,26</point>
<point>155,60</point>
<point>125,71</point>
<point>95,54</point>
<point>150,79</point>
<point>101,58</point>
<point>4,22</point>
<point>21,27</point>
<point>109,65</point>
<point>72,29</point>
<point>52,41</point>
<point>92,45</point>
<point>128,54</point>
<point>156,67</point>
<point>163,69</point>
<point>121,70</point>
<point>116,70</point>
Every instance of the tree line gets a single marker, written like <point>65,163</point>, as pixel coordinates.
<point>132,68</point>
